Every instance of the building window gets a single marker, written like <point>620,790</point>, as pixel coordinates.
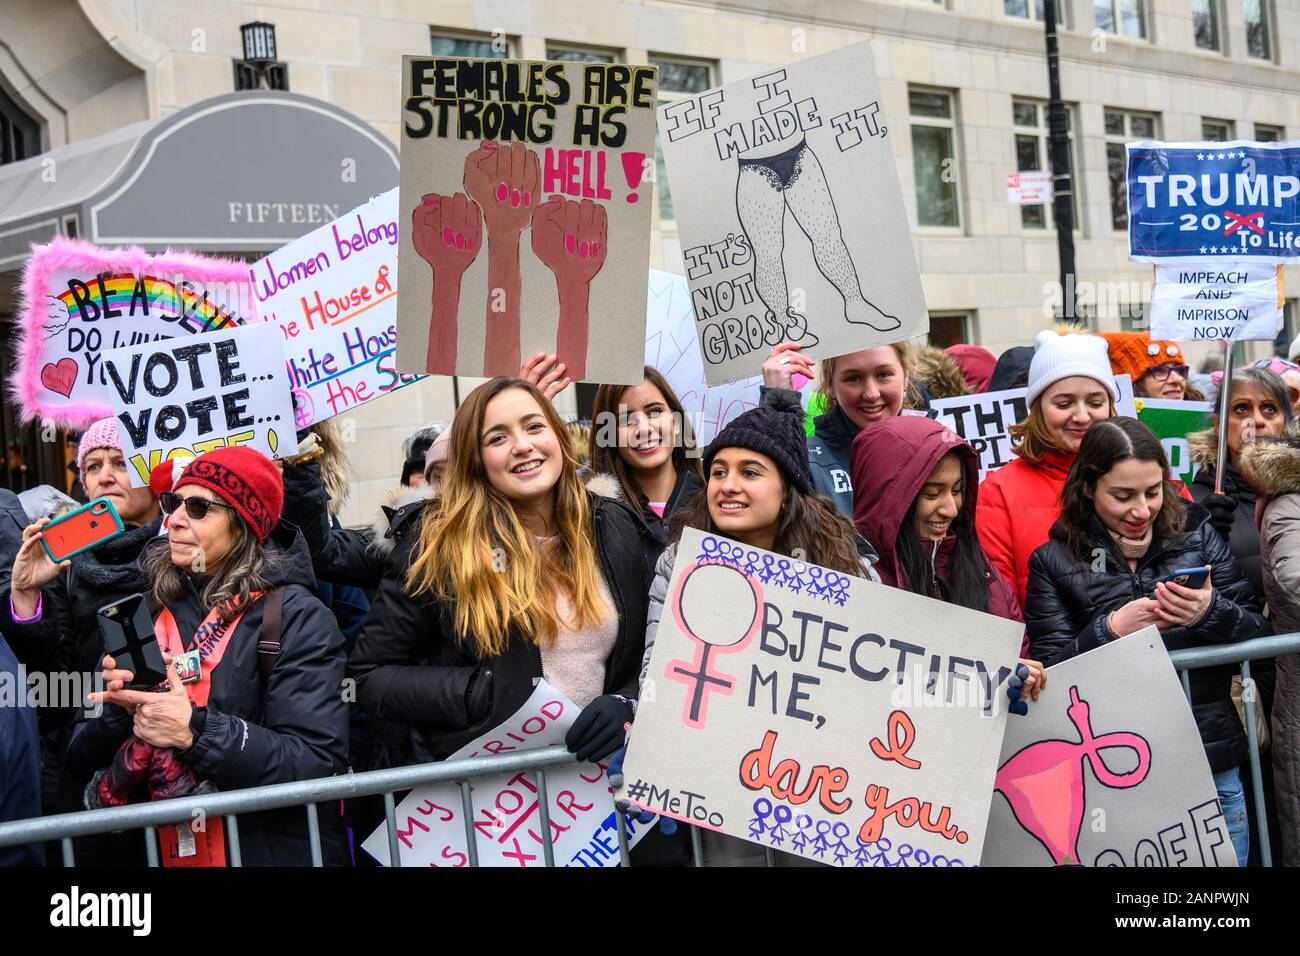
<point>1258,43</point>
<point>949,328</point>
<point>447,45</point>
<point>934,157</point>
<point>1132,316</point>
<point>1267,134</point>
<point>1216,131</point>
<point>20,135</point>
<point>1205,24</point>
<point>577,55</point>
<point>1033,153</point>
<point>678,80</point>
<point>1123,127</point>
<point>1122,17</point>
<point>1033,10</point>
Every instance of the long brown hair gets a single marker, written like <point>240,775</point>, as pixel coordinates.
<point>604,454</point>
<point>809,524</point>
<point>1106,444</point>
<point>1030,439</point>
<point>475,552</point>
<point>228,586</point>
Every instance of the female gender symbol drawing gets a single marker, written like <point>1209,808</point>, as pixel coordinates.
<point>1036,777</point>
<point>712,587</point>
<point>792,177</point>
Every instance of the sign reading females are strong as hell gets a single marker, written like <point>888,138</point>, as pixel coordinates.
<point>524,182</point>
<point>790,214</point>
<point>820,714</point>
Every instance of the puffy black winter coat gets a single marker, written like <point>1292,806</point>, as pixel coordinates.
<point>291,725</point>
<point>1068,602</point>
<point>412,672</point>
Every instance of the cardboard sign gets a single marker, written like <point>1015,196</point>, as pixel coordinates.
<point>1172,422</point>
<point>672,348</point>
<point>187,396</point>
<point>507,821</point>
<point>333,294</point>
<point>80,301</point>
<point>985,419</point>
<point>1235,200</point>
<point>527,186</point>
<point>790,214</point>
<point>820,714</point>
<point>1222,299</point>
<point>1029,188</point>
<point>1107,769</point>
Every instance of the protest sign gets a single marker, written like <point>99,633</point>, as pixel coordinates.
<point>672,348</point>
<point>191,395</point>
<point>524,181</point>
<point>507,819</point>
<point>1223,299</point>
<point>1172,422</point>
<point>1233,200</point>
<point>1107,769</point>
<point>80,301</point>
<point>790,214</point>
<point>985,419</point>
<point>821,714</point>
<point>333,295</point>
<point>1029,188</point>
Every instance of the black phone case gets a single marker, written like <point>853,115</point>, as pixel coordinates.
<point>127,628</point>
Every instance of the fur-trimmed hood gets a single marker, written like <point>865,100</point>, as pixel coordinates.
<point>333,463</point>
<point>397,500</point>
<point>1204,448</point>
<point>940,373</point>
<point>606,485</point>
<point>1273,467</point>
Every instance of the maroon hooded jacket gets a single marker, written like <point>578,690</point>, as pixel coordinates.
<point>889,463</point>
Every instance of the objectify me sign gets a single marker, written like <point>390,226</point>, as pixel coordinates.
<point>1236,199</point>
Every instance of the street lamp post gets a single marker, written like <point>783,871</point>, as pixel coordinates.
<point>1059,148</point>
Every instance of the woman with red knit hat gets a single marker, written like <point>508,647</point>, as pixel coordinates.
<point>1158,368</point>
<point>254,669</point>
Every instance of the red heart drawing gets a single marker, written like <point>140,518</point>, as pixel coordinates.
<point>61,377</point>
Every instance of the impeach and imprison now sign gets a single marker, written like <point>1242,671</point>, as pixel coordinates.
<point>820,714</point>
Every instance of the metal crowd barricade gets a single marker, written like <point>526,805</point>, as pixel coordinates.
<point>1216,655</point>
<point>309,793</point>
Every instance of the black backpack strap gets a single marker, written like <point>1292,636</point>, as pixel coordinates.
<point>268,643</point>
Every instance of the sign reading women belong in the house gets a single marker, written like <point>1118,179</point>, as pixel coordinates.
<point>333,294</point>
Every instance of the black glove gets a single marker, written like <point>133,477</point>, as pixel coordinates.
<point>1222,510</point>
<point>600,728</point>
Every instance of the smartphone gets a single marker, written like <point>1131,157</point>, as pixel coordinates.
<point>1192,578</point>
<point>127,628</point>
<point>81,529</point>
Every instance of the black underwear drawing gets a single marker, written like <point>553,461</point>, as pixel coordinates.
<point>783,168</point>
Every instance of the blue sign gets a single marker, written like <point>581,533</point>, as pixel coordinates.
<point>1236,200</point>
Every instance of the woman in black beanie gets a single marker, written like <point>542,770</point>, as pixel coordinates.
<point>759,491</point>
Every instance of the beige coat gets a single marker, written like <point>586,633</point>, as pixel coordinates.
<point>1274,469</point>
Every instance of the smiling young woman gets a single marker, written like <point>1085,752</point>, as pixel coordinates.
<point>1070,388</point>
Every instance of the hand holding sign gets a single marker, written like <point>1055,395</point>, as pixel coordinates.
<point>447,233</point>
<point>569,236</point>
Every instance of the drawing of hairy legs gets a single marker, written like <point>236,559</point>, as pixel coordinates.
<point>760,204</point>
<point>809,198</point>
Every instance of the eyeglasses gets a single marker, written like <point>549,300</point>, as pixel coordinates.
<point>1161,372</point>
<point>195,507</point>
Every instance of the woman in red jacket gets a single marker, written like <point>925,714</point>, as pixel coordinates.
<point>1070,387</point>
<point>914,500</point>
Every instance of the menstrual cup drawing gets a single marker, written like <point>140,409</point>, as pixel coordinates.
<point>701,592</point>
<point>1044,781</point>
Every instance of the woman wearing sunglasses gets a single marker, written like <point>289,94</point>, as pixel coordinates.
<point>1158,368</point>
<point>254,669</point>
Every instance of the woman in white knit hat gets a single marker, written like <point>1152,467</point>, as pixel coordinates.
<point>1070,387</point>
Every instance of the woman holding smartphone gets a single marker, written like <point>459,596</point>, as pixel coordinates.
<point>1106,572</point>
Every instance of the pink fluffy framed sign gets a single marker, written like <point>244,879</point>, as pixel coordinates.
<point>79,300</point>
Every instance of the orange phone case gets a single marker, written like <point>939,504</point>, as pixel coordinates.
<point>90,525</point>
